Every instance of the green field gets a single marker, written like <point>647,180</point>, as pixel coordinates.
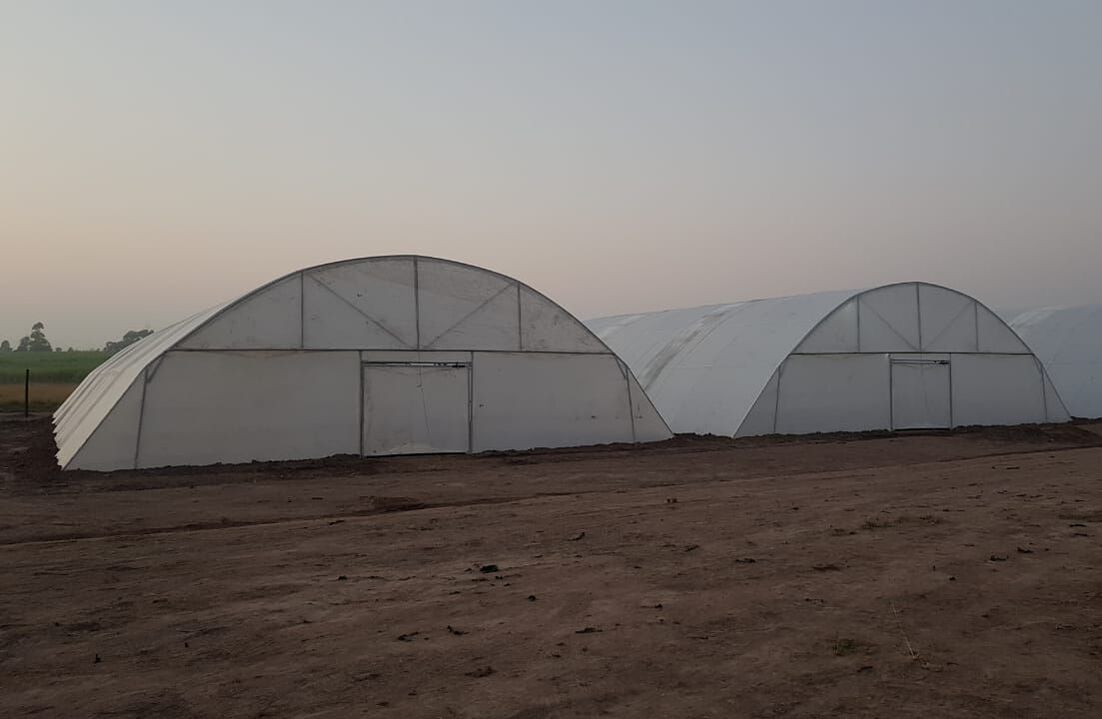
<point>49,367</point>
<point>54,375</point>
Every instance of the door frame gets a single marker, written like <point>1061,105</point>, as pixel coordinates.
<point>464,364</point>
<point>919,359</point>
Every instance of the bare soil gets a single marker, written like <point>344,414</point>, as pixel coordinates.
<point>843,576</point>
<point>44,396</point>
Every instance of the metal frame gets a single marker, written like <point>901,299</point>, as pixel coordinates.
<point>953,321</point>
<point>952,417</point>
<point>1044,382</point>
<point>417,303</point>
<point>626,372</point>
<point>141,418</point>
<point>883,319</point>
<point>466,317</point>
<point>90,395</point>
<point>976,320</point>
<point>415,363</point>
<point>363,314</point>
<point>918,314</point>
<point>470,406</point>
<point>363,404</point>
<point>402,349</point>
<point>912,352</point>
<point>857,304</point>
<point>776,397</point>
<point>520,322</point>
<point>891,394</point>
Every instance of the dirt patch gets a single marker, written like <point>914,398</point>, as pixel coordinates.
<point>845,577</point>
<point>44,396</point>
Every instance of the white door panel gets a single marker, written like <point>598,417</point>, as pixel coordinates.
<point>920,394</point>
<point>416,408</point>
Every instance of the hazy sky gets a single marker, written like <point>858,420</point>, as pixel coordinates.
<point>159,157</point>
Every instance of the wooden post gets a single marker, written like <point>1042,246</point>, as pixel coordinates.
<point>27,394</point>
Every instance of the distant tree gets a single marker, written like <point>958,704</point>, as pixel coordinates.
<point>5,346</point>
<point>36,341</point>
<point>128,339</point>
<point>57,349</point>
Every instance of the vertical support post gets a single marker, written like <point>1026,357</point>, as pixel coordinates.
<point>520,324</point>
<point>626,372</point>
<point>302,310</point>
<point>417,302</point>
<point>777,398</point>
<point>363,402</point>
<point>918,313</point>
<point>27,393</point>
<point>470,405</point>
<point>891,393</point>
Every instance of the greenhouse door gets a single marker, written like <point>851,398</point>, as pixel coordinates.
<point>416,408</point>
<point>920,394</point>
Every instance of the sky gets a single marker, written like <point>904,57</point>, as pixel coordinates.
<point>157,158</point>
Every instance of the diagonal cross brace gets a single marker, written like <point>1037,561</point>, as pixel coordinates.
<point>369,318</point>
<point>464,318</point>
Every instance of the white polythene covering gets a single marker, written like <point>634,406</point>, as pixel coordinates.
<point>703,367</point>
<point>884,358</point>
<point>1069,342</point>
<point>386,355</point>
<point>578,404</point>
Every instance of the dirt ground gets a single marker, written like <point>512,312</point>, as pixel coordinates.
<point>44,396</point>
<point>877,576</point>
